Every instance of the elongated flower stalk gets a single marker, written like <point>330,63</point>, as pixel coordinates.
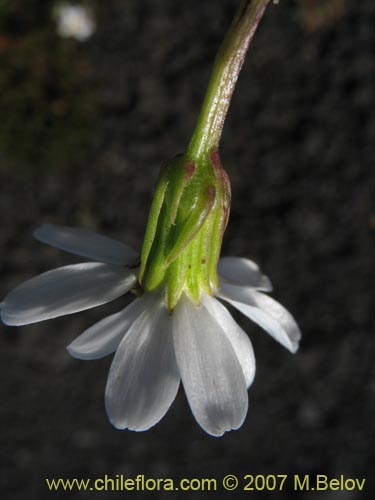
<point>191,206</point>
<point>227,67</point>
<point>176,329</point>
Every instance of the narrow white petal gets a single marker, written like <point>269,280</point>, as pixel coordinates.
<point>243,272</point>
<point>240,341</point>
<point>266,312</point>
<point>65,290</point>
<point>144,378</point>
<point>104,337</point>
<point>86,243</point>
<point>211,373</point>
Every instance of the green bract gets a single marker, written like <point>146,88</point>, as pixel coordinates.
<point>185,228</point>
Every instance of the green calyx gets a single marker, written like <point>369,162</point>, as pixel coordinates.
<point>185,228</point>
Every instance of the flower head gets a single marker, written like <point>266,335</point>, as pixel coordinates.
<point>74,21</point>
<point>176,328</point>
<point>200,344</point>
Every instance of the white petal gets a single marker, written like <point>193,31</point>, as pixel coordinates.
<point>240,341</point>
<point>65,290</point>
<point>243,272</point>
<point>144,378</point>
<point>86,243</point>
<point>211,374</point>
<point>266,312</point>
<point>104,337</point>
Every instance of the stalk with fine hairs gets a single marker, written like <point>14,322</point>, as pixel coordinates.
<point>227,67</point>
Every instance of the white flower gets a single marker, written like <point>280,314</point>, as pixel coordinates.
<point>74,21</point>
<point>201,345</point>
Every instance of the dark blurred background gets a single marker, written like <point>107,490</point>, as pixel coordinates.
<point>85,125</point>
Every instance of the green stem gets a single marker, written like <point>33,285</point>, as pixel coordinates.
<point>227,67</point>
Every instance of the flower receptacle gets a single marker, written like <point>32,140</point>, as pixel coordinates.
<point>186,224</point>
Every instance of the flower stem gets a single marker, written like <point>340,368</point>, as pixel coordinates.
<point>227,66</point>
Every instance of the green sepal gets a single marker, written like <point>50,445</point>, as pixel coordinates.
<point>185,228</point>
<point>202,205</point>
<point>153,219</point>
<point>169,231</point>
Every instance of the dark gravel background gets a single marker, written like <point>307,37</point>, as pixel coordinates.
<point>84,128</point>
